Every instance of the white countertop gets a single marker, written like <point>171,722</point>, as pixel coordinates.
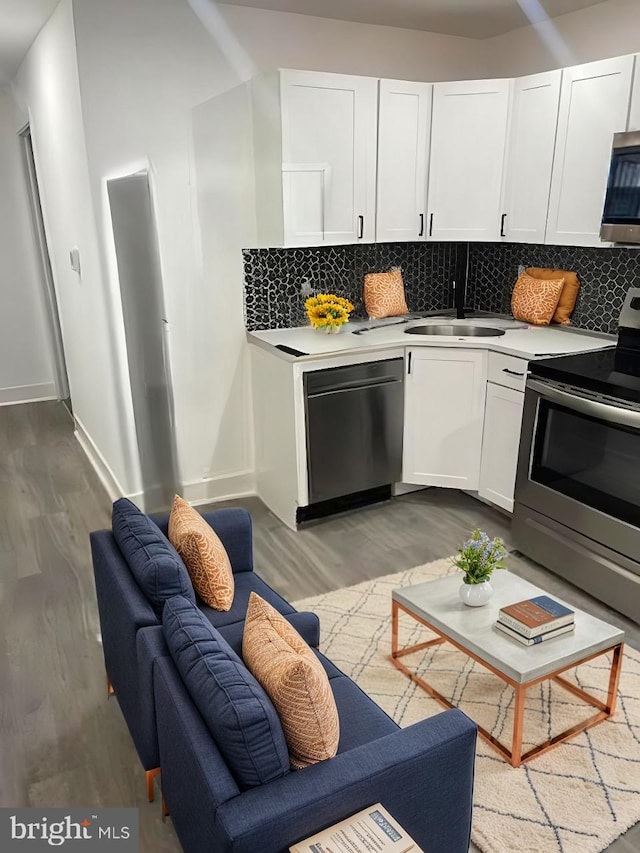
<point>528,342</point>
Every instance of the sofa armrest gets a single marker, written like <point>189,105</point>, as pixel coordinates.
<point>116,587</point>
<point>422,774</point>
<point>123,610</point>
<point>188,752</point>
<point>233,526</point>
<point>150,645</point>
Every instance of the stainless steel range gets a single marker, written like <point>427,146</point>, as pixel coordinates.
<point>577,501</point>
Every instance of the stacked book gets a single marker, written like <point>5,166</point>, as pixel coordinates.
<point>536,619</point>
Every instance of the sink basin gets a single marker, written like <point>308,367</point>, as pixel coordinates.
<point>455,330</point>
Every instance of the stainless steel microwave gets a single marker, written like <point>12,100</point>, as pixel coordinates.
<point>621,216</point>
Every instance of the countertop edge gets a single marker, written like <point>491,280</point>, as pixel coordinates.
<point>491,345</point>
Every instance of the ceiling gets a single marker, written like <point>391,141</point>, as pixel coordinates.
<point>21,20</point>
<point>471,18</point>
<point>20,23</point>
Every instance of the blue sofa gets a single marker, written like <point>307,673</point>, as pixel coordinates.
<point>422,774</point>
<point>132,631</point>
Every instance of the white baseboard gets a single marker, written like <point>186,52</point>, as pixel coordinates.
<point>223,488</point>
<point>210,490</point>
<point>28,393</point>
<point>100,464</point>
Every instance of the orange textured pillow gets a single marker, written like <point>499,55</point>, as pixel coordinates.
<point>534,300</point>
<point>384,294</point>
<point>203,554</point>
<point>294,680</point>
<point>567,301</point>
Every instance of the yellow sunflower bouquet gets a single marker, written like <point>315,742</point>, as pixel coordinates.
<point>327,311</point>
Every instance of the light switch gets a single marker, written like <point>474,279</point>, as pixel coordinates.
<point>74,258</point>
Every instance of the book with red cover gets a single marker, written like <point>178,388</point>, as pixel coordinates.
<point>536,615</point>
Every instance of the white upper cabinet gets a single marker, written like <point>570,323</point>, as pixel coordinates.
<point>328,157</point>
<point>532,136</point>
<point>594,104</point>
<point>468,136</point>
<point>404,126</point>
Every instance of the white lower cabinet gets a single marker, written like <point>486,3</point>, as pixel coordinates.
<point>444,407</point>
<point>500,443</point>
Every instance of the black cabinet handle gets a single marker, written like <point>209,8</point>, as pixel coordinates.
<point>511,372</point>
<point>504,216</point>
<point>360,227</point>
<point>430,225</point>
<point>421,232</point>
<point>409,362</point>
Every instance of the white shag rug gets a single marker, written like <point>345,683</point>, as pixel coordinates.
<point>577,798</point>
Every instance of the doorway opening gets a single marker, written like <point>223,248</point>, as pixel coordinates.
<point>51,300</point>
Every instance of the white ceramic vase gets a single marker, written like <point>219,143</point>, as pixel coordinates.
<point>475,594</point>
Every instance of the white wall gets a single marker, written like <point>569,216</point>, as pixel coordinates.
<point>145,71</point>
<point>26,363</point>
<point>144,65</point>
<point>282,39</point>
<point>47,89</point>
<point>609,29</point>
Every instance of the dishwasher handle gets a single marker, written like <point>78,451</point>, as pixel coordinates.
<point>356,385</point>
<point>353,377</point>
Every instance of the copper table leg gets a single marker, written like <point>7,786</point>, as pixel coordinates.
<point>514,755</point>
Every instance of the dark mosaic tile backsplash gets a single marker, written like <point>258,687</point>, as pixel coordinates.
<point>605,277</point>
<point>277,281</point>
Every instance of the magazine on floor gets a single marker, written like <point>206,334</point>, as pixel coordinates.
<point>373,830</point>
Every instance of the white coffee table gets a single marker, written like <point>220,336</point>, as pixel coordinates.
<point>436,605</point>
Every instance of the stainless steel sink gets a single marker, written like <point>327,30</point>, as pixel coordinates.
<point>455,330</point>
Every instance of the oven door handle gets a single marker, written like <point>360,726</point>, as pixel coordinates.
<point>622,417</point>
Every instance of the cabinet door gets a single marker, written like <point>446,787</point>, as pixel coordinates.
<point>468,136</point>
<point>594,104</point>
<point>404,122</point>
<point>532,137</point>
<point>500,443</point>
<point>444,407</point>
<point>328,157</point>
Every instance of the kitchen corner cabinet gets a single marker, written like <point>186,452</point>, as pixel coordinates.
<point>444,406</point>
<point>500,443</point>
<point>594,104</point>
<point>468,138</point>
<point>504,404</point>
<point>404,128</point>
<point>315,158</point>
<point>532,135</point>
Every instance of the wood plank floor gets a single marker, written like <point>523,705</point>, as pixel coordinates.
<point>62,742</point>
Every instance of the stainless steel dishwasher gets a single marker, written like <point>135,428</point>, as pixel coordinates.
<point>354,418</point>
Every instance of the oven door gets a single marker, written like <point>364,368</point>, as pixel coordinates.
<point>579,464</point>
